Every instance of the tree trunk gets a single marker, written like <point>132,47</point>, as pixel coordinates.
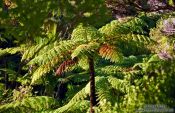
<point>92,85</point>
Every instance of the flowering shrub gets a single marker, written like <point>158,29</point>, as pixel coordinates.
<point>169,26</point>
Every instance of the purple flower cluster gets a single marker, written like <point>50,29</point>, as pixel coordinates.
<point>165,56</point>
<point>154,4</point>
<point>169,26</point>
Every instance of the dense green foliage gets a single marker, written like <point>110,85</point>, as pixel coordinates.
<point>44,55</point>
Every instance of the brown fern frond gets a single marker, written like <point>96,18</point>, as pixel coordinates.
<point>65,66</point>
<point>109,52</point>
<point>105,50</point>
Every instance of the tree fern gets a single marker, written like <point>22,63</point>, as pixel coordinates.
<point>85,41</point>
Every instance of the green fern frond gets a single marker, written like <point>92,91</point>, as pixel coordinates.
<point>33,50</point>
<point>2,39</point>
<point>86,33</point>
<point>11,73</point>
<point>83,63</point>
<point>77,107</point>
<point>109,29</point>
<point>136,25</point>
<point>110,70</point>
<point>150,64</point>
<point>39,73</point>
<point>30,52</point>
<point>13,50</point>
<point>81,95</point>
<point>79,77</point>
<point>85,50</point>
<point>130,26</point>
<point>53,57</point>
<point>137,38</point>
<point>44,69</point>
<point>104,90</point>
<point>60,50</point>
<point>31,104</point>
<point>119,84</point>
<point>76,103</point>
<point>107,107</point>
<point>129,94</point>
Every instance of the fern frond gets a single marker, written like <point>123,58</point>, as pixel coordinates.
<point>110,29</point>
<point>104,90</point>
<point>81,95</point>
<point>119,84</point>
<point>59,50</point>
<point>110,52</point>
<point>85,50</point>
<point>136,25</point>
<point>2,39</point>
<point>31,104</point>
<point>13,50</point>
<point>33,50</point>
<point>11,73</point>
<point>75,104</point>
<point>53,57</point>
<point>43,69</point>
<point>83,63</point>
<point>130,26</point>
<point>65,65</point>
<point>86,33</point>
<point>129,93</point>
<point>137,38</point>
<point>77,107</point>
<point>110,70</point>
<point>107,107</point>
<point>79,77</point>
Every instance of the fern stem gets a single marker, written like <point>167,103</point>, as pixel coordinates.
<point>92,84</point>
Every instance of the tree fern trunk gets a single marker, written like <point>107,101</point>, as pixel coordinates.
<point>92,85</point>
